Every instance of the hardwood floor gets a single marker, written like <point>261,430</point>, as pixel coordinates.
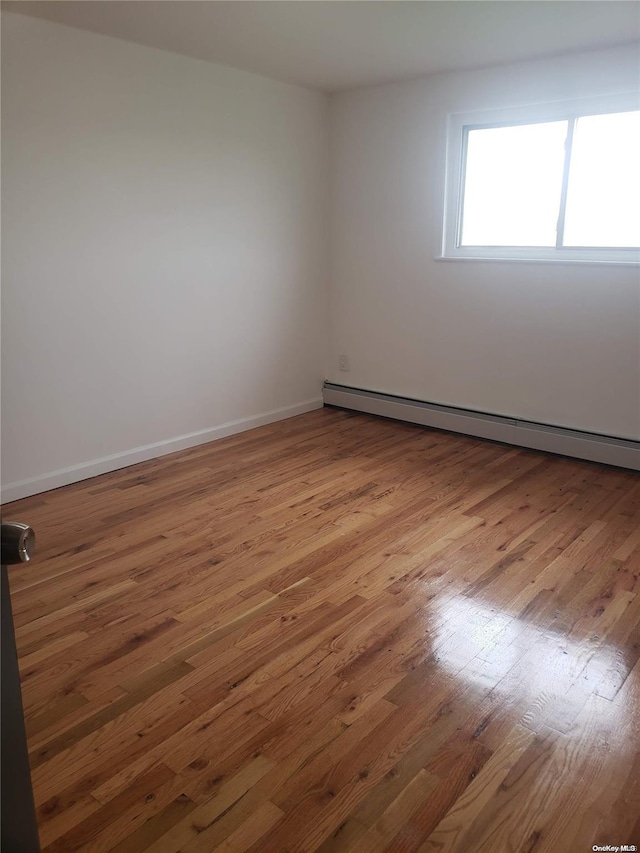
<point>335,633</point>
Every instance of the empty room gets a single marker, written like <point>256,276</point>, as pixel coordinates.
<point>320,426</point>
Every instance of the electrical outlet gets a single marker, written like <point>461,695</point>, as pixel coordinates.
<point>343,362</point>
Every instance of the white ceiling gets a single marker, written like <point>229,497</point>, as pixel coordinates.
<point>332,44</point>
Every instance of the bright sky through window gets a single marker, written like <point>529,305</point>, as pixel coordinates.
<point>513,184</point>
<point>603,196</point>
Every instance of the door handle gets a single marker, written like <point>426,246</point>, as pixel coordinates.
<point>18,542</point>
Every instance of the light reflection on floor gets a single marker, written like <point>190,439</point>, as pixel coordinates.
<point>478,643</point>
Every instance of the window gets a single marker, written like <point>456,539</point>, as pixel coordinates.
<point>554,182</point>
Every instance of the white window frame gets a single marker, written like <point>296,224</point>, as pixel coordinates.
<point>458,126</point>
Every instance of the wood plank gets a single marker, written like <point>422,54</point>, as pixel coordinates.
<point>377,637</point>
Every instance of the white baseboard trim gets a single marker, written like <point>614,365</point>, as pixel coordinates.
<point>609,450</point>
<point>85,470</point>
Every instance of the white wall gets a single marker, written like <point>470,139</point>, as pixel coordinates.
<point>559,344</point>
<point>164,257</point>
<point>163,251</point>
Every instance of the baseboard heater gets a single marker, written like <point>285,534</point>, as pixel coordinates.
<point>607,449</point>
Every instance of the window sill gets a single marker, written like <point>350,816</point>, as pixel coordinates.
<point>501,260</point>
